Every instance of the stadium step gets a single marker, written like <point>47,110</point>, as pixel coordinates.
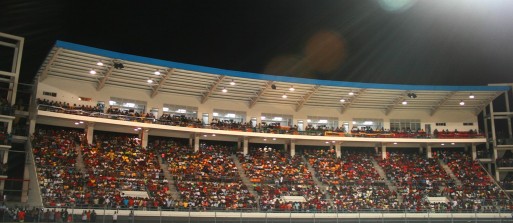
<point>243,176</point>
<point>171,183</point>
<point>450,173</point>
<point>79,163</point>
<point>383,175</point>
<point>317,182</point>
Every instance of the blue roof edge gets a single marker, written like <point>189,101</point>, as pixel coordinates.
<point>170,64</point>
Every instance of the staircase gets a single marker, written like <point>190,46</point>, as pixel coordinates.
<point>169,178</point>
<point>383,175</point>
<point>243,176</point>
<point>318,183</point>
<point>450,173</point>
<point>79,163</point>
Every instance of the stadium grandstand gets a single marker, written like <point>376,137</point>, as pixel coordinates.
<point>147,140</point>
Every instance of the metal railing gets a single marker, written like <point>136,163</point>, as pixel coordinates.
<point>74,214</point>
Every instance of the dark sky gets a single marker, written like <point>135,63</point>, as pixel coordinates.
<point>439,42</point>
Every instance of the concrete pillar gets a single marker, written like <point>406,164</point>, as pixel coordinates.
<point>383,151</point>
<point>466,149</point>
<point>89,132</point>
<point>5,155</point>
<point>285,147</point>
<point>196,142</point>
<point>191,139</point>
<point>239,144</point>
<point>338,151</point>
<point>32,127</point>
<point>143,135</point>
<point>245,147</point>
<point>292,148</point>
<point>9,127</point>
<point>474,152</point>
<point>428,151</point>
<point>421,149</point>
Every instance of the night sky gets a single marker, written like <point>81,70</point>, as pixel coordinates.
<point>438,42</point>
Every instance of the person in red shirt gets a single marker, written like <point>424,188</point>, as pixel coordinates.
<point>21,215</point>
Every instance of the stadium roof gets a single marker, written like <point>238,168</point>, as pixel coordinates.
<point>73,61</point>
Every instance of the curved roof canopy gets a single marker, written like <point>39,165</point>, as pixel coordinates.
<point>73,61</point>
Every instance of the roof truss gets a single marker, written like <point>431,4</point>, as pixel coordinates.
<point>307,97</point>
<point>162,80</point>
<point>254,100</point>
<point>44,74</point>
<point>211,89</point>
<point>441,102</point>
<point>348,104</point>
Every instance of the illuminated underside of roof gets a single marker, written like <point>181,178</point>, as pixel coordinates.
<point>72,61</point>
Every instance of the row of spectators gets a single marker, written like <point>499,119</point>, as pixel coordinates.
<point>271,127</point>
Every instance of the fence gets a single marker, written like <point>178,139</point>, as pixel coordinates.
<point>159,216</point>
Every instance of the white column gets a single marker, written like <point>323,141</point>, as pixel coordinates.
<point>421,149</point>
<point>191,138</point>
<point>89,132</point>
<point>383,151</point>
<point>239,144</point>
<point>245,145</point>
<point>474,152</point>
<point>428,151</point>
<point>292,148</point>
<point>143,135</point>
<point>196,142</point>
<point>338,151</point>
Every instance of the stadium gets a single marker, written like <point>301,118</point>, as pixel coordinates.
<point>148,140</point>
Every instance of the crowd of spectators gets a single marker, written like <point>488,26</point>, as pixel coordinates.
<point>416,178</point>
<point>276,174</point>
<point>64,107</point>
<point>478,190</point>
<point>205,179</point>
<point>353,182</point>
<point>118,163</point>
<point>209,179</point>
<point>264,127</point>
<point>55,156</point>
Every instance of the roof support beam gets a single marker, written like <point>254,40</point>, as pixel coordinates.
<point>162,80</point>
<point>104,79</point>
<point>480,108</point>
<point>254,100</point>
<point>397,101</point>
<point>348,104</point>
<point>211,89</point>
<point>307,97</point>
<point>441,102</point>
<point>44,74</point>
